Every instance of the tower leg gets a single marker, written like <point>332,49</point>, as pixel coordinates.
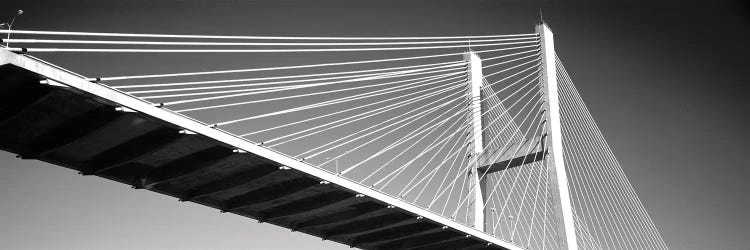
<point>558,177</point>
<point>478,212</point>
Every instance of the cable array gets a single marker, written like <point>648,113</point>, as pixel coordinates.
<point>609,212</point>
<point>165,43</point>
<point>401,125</point>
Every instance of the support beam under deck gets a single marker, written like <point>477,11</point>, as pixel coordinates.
<point>356,212</point>
<point>330,200</point>
<point>231,182</point>
<point>270,193</point>
<point>370,224</point>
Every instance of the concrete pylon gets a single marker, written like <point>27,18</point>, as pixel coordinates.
<point>558,177</point>
<point>478,213</point>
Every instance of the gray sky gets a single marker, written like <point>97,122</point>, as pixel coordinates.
<point>665,83</point>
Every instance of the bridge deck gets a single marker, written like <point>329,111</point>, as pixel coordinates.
<point>76,126</point>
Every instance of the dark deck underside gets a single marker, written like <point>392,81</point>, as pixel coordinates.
<point>86,134</point>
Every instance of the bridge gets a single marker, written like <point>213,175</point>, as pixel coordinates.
<point>490,146</point>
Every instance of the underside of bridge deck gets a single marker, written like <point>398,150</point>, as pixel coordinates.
<point>74,129</point>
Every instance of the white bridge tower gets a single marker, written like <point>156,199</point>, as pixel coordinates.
<point>558,177</point>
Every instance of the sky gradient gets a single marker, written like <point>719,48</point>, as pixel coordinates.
<point>665,82</point>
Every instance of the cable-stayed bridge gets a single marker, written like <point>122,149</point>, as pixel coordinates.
<point>484,144</point>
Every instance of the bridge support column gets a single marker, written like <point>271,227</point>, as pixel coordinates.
<point>558,178</point>
<point>476,208</point>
